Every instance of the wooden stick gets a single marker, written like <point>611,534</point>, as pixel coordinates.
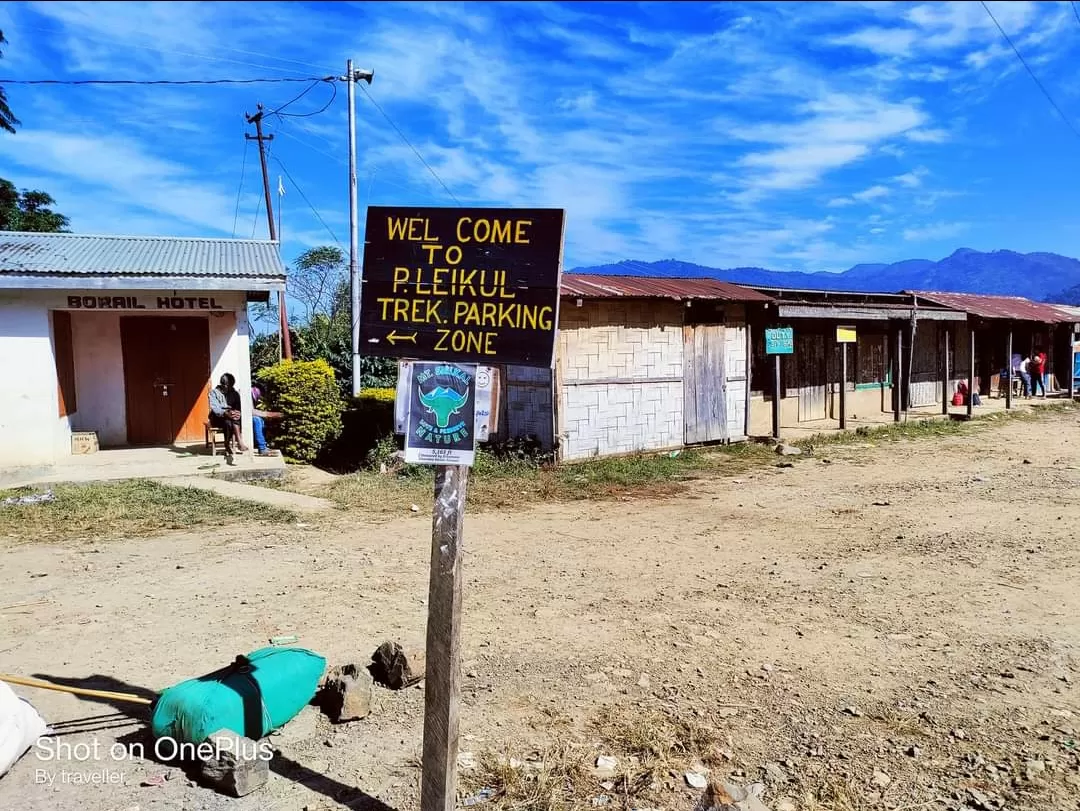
<point>23,604</point>
<point>79,691</point>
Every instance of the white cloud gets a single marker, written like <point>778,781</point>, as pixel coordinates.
<point>884,41</point>
<point>943,28</point>
<point>836,130</point>
<point>935,232</point>
<point>872,193</point>
<point>103,166</point>
<point>933,73</point>
<point>623,126</point>
<point>928,136</point>
<point>912,179</point>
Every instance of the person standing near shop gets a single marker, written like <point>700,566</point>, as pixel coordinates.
<point>1037,368</point>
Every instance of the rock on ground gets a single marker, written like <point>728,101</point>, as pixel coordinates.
<point>720,796</point>
<point>346,694</point>
<point>235,766</point>
<point>395,667</point>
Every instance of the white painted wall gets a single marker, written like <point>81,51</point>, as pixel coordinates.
<point>31,431</point>
<point>30,425</point>
<point>99,377</point>
<point>230,352</point>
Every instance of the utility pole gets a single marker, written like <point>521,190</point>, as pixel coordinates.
<point>352,77</point>
<point>257,119</point>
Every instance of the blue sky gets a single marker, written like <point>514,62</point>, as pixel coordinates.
<point>808,136</point>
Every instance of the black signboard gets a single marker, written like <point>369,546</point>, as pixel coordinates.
<point>461,284</point>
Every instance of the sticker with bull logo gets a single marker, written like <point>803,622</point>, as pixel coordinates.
<point>442,414</point>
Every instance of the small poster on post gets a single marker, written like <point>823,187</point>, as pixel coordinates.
<point>441,421</point>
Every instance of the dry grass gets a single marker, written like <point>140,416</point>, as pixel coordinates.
<point>123,510</point>
<point>496,484</point>
<point>835,796</point>
<point>653,748</point>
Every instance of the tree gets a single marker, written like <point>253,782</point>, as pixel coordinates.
<point>28,210</point>
<point>316,279</point>
<point>319,281</point>
<point>8,121</point>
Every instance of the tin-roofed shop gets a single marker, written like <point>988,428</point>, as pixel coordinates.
<point>120,337</point>
<point>641,364</point>
<point>1006,329</point>
<point>895,346</point>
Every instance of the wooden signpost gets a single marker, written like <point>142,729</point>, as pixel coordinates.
<point>844,336</point>
<point>779,341</point>
<point>448,289</point>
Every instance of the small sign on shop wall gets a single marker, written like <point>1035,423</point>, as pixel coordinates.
<point>780,341</point>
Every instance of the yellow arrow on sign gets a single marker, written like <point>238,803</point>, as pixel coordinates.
<point>393,337</point>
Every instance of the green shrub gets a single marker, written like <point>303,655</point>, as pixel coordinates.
<point>307,395</point>
<point>382,395</point>
<point>366,421</point>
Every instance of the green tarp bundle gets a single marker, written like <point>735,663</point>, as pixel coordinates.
<point>253,696</point>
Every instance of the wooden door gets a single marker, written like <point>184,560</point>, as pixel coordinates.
<point>925,366</point>
<point>166,378</point>
<point>704,383</point>
<point>811,359</point>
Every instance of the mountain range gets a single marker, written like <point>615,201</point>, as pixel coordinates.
<point>1038,276</point>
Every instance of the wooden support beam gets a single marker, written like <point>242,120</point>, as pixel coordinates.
<point>898,374</point>
<point>971,374</point>
<point>843,386</point>
<point>946,395</point>
<point>1008,369</point>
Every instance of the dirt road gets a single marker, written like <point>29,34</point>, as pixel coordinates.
<point>896,627</point>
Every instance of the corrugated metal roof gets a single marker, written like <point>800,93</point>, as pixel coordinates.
<point>25,254</point>
<point>1012,308</point>
<point>587,285</point>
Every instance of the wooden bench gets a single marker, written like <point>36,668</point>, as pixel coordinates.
<point>212,437</point>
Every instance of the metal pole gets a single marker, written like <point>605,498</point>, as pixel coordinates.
<point>1008,369</point>
<point>354,236</point>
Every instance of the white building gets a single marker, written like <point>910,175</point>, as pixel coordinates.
<point>122,336</point>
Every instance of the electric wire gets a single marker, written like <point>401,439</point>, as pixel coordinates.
<point>314,211</point>
<point>303,93</point>
<point>323,109</point>
<point>147,82</point>
<point>240,188</point>
<point>408,143</point>
<point>1031,73</point>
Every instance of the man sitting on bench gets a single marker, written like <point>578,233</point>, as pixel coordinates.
<point>225,413</point>
<point>258,423</point>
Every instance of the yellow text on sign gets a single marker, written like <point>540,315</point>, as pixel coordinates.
<point>468,229</point>
<point>845,335</point>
